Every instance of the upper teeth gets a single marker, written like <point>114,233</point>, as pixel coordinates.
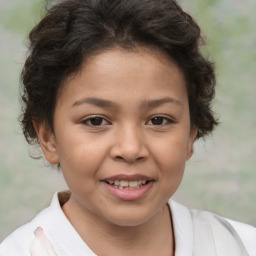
<point>126,183</point>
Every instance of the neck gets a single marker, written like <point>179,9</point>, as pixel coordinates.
<point>106,238</point>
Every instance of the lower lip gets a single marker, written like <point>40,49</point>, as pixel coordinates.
<point>129,194</point>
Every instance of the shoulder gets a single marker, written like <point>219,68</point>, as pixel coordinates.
<point>247,233</point>
<point>49,233</point>
<point>225,232</point>
<point>19,242</point>
<point>209,231</point>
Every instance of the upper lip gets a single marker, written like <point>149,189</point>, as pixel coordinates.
<point>129,177</point>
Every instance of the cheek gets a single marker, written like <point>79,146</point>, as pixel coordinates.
<point>172,151</point>
<point>81,158</point>
<point>172,167</point>
<point>170,159</point>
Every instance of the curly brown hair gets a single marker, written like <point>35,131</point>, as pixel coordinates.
<point>73,29</point>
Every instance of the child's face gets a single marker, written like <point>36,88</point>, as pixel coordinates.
<point>124,117</point>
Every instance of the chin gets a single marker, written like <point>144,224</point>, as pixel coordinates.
<point>131,222</point>
<point>130,218</point>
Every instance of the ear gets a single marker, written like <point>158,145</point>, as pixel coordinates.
<point>47,142</point>
<point>192,137</point>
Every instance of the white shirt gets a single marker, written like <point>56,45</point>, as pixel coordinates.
<point>196,233</point>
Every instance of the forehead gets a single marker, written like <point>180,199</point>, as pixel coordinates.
<point>147,60</point>
<point>138,73</point>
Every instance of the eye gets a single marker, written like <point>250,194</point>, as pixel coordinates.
<point>95,121</point>
<point>160,120</point>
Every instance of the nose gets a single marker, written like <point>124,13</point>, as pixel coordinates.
<point>129,145</point>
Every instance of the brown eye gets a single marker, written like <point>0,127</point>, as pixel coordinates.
<point>159,120</point>
<point>96,121</point>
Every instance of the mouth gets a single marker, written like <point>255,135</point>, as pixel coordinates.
<point>125,184</point>
<point>128,187</point>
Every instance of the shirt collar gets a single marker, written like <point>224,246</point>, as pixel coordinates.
<point>183,229</point>
<point>60,229</point>
<point>181,220</point>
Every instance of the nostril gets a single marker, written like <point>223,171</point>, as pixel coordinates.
<point>130,159</point>
<point>119,158</point>
<point>141,158</point>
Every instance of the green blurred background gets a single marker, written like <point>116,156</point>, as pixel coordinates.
<point>221,175</point>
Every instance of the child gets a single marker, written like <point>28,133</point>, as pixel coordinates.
<point>116,92</point>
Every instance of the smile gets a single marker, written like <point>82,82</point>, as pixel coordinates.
<point>128,187</point>
<point>125,184</point>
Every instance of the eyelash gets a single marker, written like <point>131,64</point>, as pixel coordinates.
<point>165,119</point>
<point>100,118</point>
<point>88,121</point>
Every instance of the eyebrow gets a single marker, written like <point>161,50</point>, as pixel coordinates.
<point>145,104</point>
<point>159,102</point>
<point>95,101</point>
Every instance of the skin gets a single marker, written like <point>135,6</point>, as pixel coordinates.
<point>143,128</point>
